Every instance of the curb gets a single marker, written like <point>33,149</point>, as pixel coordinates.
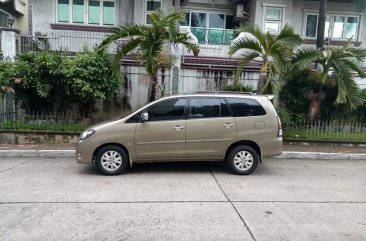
<point>320,156</point>
<point>284,155</point>
<point>37,153</point>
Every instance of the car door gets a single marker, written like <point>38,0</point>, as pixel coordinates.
<point>210,128</point>
<point>162,136</point>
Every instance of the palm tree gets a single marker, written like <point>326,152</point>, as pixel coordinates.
<point>149,42</point>
<point>274,51</point>
<point>335,68</point>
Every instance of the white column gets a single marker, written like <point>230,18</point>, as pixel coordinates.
<point>175,77</point>
<point>8,44</point>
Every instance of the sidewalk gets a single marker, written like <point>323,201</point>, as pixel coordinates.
<point>289,151</point>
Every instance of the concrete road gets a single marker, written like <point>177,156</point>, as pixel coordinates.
<point>58,199</point>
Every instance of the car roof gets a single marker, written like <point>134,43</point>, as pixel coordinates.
<point>222,94</point>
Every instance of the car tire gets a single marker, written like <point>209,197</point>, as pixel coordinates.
<point>242,160</point>
<point>111,160</point>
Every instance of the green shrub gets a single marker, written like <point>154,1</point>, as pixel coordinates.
<point>47,82</point>
<point>284,116</point>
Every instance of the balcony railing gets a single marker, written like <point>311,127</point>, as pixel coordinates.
<point>213,36</point>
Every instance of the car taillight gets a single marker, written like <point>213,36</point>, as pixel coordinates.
<point>279,127</point>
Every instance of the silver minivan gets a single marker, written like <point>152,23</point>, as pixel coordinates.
<point>236,128</point>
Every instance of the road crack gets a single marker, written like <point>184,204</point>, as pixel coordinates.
<point>12,167</point>
<point>232,204</point>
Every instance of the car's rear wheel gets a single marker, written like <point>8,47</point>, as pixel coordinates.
<point>242,160</point>
<point>111,160</point>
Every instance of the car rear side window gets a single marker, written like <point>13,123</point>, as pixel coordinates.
<point>205,108</point>
<point>245,107</point>
<point>208,108</point>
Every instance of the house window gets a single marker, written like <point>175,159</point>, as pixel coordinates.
<point>3,19</point>
<point>95,12</point>
<point>78,11</point>
<point>273,19</point>
<point>63,11</point>
<point>210,27</point>
<point>151,6</point>
<point>311,25</point>
<point>336,26</point>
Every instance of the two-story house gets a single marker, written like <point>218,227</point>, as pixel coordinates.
<point>211,24</point>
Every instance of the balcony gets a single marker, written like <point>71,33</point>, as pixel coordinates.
<point>213,43</point>
<point>213,36</point>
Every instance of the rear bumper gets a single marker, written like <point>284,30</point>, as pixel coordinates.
<point>272,148</point>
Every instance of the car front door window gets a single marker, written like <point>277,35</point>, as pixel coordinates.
<point>167,110</point>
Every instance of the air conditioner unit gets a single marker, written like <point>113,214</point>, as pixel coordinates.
<point>240,13</point>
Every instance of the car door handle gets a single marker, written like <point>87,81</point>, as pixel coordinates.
<point>178,128</point>
<point>228,125</point>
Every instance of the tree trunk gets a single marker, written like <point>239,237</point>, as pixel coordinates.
<point>154,81</point>
<point>316,97</point>
<point>86,110</point>
<point>262,78</point>
<point>176,5</point>
<point>321,25</point>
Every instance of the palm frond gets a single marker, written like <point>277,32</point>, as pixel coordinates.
<point>288,36</point>
<point>348,91</point>
<point>246,44</point>
<point>280,61</point>
<point>352,65</point>
<point>121,52</point>
<point>358,53</point>
<point>249,56</point>
<point>186,40</point>
<point>253,30</point>
<point>302,58</point>
<point>151,47</point>
<point>116,65</point>
<point>128,30</point>
<point>273,84</point>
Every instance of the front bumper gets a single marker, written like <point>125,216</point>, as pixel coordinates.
<point>84,152</point>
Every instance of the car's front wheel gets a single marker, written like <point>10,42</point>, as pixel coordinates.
<point>242,160</point>
<point>111,160</point>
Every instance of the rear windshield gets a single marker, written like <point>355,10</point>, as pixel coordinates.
<point>245,107</point>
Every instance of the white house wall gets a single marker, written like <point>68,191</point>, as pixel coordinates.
<point>192,80</point>
<point>44,14</point>
<point>259,14</point>
<point>138,85</point>
<point>299,7</point>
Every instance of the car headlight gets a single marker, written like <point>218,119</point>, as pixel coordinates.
<point>86,134</point>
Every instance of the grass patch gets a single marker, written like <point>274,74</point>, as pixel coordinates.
<point>298,133</point>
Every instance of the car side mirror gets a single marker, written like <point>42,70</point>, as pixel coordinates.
<point>144,116</point>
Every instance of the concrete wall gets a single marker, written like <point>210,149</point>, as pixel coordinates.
<point>193,80</point>
<point>134,92</point>
<point>32,137</point>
